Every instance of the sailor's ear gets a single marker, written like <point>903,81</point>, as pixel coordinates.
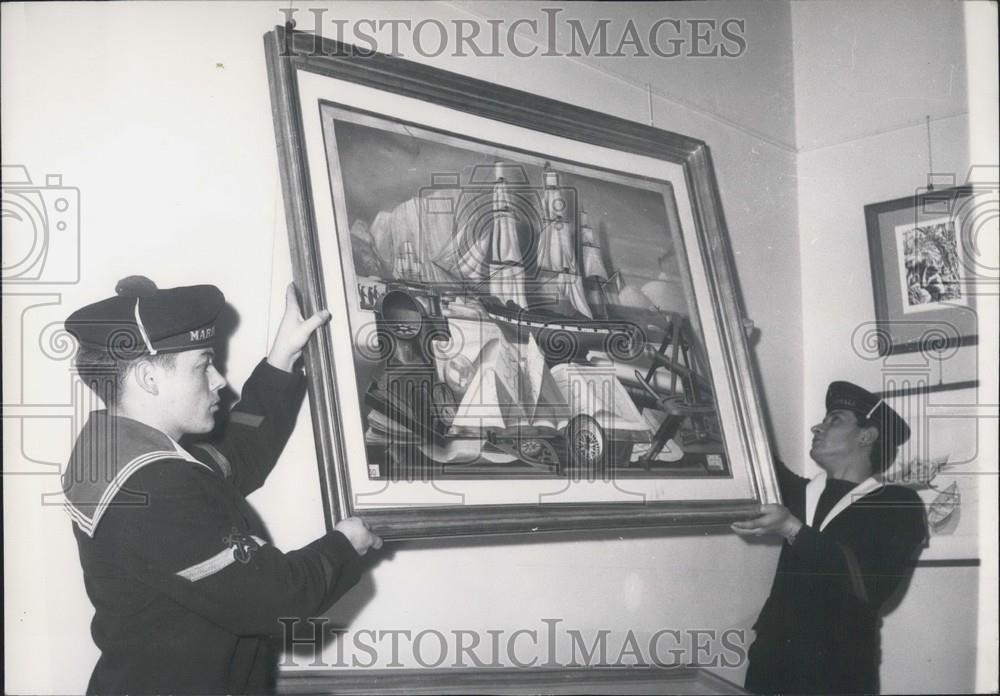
<point>144,376</point>
<point>869,435</point>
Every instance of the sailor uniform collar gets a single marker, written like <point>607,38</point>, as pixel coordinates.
<point>108,451</point>
<point>815,488</point>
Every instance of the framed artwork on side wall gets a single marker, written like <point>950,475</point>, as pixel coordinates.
<point>535,323</point>
<point>923,253</point>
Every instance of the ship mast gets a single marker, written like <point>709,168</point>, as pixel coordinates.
<point>406,265</point>
<point>593,264</point>
<point>506,266</point>
<point>557,248</point>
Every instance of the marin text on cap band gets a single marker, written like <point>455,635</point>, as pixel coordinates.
<point>145,320</point>
<point>850,397</point>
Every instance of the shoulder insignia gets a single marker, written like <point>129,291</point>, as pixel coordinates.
<point>244,546</point>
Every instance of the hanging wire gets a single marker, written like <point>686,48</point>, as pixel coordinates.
<point>277,199</point>
<point>930,157</point>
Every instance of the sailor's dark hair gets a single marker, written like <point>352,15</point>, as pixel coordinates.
<point>105,374</point>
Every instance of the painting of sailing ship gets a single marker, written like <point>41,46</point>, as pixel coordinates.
<point>516,316</point>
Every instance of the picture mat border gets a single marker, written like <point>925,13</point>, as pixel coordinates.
<point>881,232</point>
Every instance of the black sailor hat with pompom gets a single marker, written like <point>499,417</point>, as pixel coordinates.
<point>142,320</point>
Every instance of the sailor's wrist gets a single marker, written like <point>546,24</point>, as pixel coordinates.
<point>792,530</point>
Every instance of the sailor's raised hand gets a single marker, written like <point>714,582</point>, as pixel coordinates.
<point>293,332</point>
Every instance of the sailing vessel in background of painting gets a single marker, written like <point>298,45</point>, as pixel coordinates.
<point>546,362</point>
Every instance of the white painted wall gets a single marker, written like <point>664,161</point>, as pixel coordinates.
<point>984,140</point>
<point>160,114</point>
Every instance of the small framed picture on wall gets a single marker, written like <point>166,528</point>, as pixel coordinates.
<point>922,251</point>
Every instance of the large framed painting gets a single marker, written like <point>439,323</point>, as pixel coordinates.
<point>923,257</point>
<point>535,319</point>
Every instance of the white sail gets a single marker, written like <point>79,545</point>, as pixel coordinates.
<point>506,248</point>
<point>416,238</point>
<point>555,239</point>
<point>486,249</point>
<point>666,294</point>
<point>593,264</point>
<point>472,253</point>
<point>407,265</point>
<point>555,247</point>
<point>480,407</point>
<point>507,284</point>
<point>437,235</point>
<point>506,269</point>
<point>563,289</point>
<point>512,386</point>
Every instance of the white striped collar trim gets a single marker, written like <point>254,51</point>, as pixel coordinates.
<point>815,488</point>
<point>89,525</point>
<point>187,456</point>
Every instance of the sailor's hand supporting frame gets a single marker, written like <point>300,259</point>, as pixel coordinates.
<point>293,332</point>
<point>357,532</point>
<point>773,519</point>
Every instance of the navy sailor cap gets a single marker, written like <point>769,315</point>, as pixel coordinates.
<point>850,397</point>
<point>142,319</point>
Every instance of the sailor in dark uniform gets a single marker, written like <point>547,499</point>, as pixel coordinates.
<point>850,541</point>
<point>186,590</point>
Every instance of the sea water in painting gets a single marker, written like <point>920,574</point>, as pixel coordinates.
<point>514,316</point>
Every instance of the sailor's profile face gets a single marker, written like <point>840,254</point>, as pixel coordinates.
<point>838,434</point>
<point>189,392</point>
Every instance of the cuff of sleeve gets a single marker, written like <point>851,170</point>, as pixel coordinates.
<point>341,563</point>
<point>271,378</point>
<point>336,548</point>
<point>344,548</point>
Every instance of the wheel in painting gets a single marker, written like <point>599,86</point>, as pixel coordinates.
<point>586,445</point>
